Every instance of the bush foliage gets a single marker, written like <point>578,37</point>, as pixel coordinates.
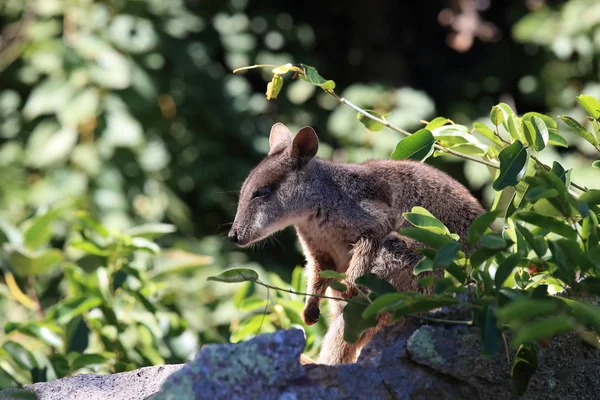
<point>118,116</point>
<point>548,241</point>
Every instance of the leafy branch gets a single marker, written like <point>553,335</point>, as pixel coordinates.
<point>531,131</point>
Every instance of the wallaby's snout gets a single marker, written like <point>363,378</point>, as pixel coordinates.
<point>233,236</point>
<point>269,199</point>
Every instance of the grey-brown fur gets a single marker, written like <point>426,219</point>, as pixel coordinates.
<point>394,261</point>
<point>341,212</point>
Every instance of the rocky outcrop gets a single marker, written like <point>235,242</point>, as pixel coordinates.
<point>132,385</point>
<point>408,360</point>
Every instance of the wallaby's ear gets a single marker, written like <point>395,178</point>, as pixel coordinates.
<point>280,138</point>
<point>305,145</point>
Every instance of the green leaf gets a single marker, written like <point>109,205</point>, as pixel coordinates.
<point>507,112</point>
<point>494,241</point>
<point>443,285</point>
<point>312,76</point>
<point>515,128</point>
<point>557,140</point>
<point>457,271</point>
<point>496,115</point>
<point>60,363</point>
<point>491,336</point>
<point>405,303</point>
<point>282,69</point>
<point>579,130</point>
<point>150,231</point>
<point>424,265</point>
<point>385,303</point>
<point>331,274</point>
<point>513,164</point>
<point>20,355</point>
<point>481,255</point>
<point>140,243</point>
<point>541,133</point>
<point>298,282</point>
<point>549,223</point>
<point>436,123</point>
<point>432,239</point>
<point>27,263</point>
<point>251,327</point>
<point>479,226</point>
<point>525,309</point>
<point>548,121</point>
<point>89,248</point>
<point>417,146</point>
<point>421,218</point>
<point>12,234</point>
<point>85,360</point>
<point>422,303</point>
<point>274,87</point>
<point>487,133</point>
<point>66,310</point>
<point>586,313</point>
<point>537,243</point>
<point>477,149</point>
<point>372,125</point>
<point>591,197</point>
<point>523,367</point>
<point>46,333</point>
<point>446,255</point>
<point>39,232</point>
<point>529,132</point>
<point>544,328</point>
<point>505,269</point>
<point>336,285</point>
<point>354,322</point>
<point>534,194</point>
<point>252,303</point>
<point>92,223</point>
<point>596,164</point>
<point>235,275</point>
<point>375,283</point>
<point>590,105</point>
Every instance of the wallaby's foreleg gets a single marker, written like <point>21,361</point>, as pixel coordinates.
<point>315,285</point>
<point>363,256</point>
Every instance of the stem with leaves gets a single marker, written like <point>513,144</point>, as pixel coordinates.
<point>328,87</point>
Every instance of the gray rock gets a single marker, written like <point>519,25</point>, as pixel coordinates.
<point>407,360</point>
<point>133,385</point>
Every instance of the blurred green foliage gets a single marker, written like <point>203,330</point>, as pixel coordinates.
<point>125,111</point>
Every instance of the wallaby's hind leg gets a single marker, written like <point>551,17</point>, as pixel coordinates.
<point>335,350</point>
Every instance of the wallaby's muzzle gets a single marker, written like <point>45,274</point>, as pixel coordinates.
<point>233,236</point>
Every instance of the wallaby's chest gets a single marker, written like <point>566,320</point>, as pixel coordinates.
<point>332,249</point>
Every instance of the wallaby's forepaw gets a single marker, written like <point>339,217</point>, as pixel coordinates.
<point>310,314</point>
<point>350,292</point>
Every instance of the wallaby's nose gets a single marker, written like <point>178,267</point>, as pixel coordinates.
<point>233,236</point>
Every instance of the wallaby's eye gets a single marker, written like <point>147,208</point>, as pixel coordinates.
<point>263,191</point>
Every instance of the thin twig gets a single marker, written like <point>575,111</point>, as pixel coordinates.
<point>506,348</point>
<point>406,133</point>
<point>264,312</point>
<point>441,321</point>
<point>547,168</point>
<point>301,293</point>
<point>437,146</point>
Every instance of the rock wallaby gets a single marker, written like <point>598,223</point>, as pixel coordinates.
<point>341,212</point>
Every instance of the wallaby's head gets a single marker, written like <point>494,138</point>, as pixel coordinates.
<point>274,194</point>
